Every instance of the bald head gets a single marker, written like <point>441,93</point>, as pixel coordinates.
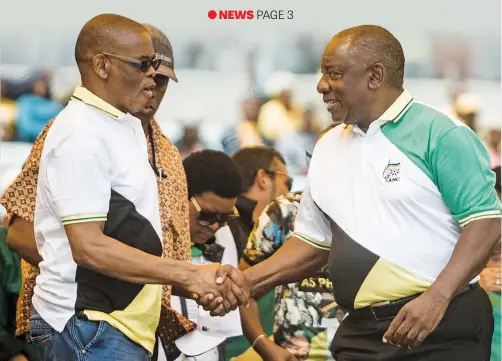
<point>109,52</point>
<point>104,33</point>
<point>375,44</point>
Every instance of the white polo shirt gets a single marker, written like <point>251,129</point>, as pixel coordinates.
<point>95,167</point>
<point>390,203</point>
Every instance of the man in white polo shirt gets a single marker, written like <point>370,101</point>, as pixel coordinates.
<point>97,221</point>
<point>400,203</point>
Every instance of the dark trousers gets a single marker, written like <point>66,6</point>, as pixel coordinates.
<point>464,334</point>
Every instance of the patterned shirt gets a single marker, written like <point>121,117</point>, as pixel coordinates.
<point>306,314</point>
<point>19,200</point>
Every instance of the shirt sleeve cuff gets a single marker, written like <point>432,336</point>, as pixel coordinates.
<point>320,245</point>
<point>480,215</point>
<point>82,218</point>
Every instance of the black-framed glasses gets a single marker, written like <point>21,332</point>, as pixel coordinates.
<point>208,218</point>
<point>289,181</point>
<point>141,64</point>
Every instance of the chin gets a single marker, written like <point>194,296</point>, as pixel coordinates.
<point>145,115</point>
<point>338,119</point>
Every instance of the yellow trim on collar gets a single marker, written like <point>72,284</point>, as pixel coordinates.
<point>89,98</point>
<point>396,110</point>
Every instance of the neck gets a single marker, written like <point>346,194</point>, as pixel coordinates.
<point>100,92</point>
<point>258,197</point>
<point>144,124</point>
<point>380,105</point>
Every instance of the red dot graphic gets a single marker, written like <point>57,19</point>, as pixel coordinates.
<point>211,14</point>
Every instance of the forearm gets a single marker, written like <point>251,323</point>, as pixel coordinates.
<point>495,255</point>
<point>470,256</point>
<point>21,239</point>
<point>27,251</point>
<point>250,319</point>
<point>294,261</point>
<point>115,259</point>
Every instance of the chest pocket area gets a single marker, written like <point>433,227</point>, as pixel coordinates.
<point>391,179</point>
<point>134,178</point>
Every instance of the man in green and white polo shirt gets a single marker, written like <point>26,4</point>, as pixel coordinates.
<point>400,203</point>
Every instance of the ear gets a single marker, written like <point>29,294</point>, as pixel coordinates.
<point>261,179</point>
<point>101,66</point>
<point>376,75</point>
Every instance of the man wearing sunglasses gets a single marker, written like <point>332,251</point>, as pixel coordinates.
<point>264,178</point>
<point>118,67</point>
<point>214,183</point>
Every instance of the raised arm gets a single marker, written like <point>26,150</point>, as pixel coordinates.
<point>300,256</point>
<point>293,262</point>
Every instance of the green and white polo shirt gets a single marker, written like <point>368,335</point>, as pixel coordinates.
<point>390,203</point>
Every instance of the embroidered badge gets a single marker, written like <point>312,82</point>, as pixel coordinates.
<point>392,172</point>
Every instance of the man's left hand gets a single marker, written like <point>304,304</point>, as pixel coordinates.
<point>416,320</point>
<point>238,288</point>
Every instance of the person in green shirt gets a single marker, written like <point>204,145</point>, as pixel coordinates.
<point>11,349</point>
<point>490,281</point>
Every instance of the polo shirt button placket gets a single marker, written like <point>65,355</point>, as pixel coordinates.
<point>365,146</point>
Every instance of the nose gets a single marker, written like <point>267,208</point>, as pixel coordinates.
<point>214,227</point>
<point>151,72</point>
<point>322,86</point>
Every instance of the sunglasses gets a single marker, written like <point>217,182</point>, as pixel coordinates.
<point>289,181</point>
<point>214,252</point>
<point>208,218</point>
<point>142,64</point>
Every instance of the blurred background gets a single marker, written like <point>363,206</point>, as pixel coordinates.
<point>228,69</point>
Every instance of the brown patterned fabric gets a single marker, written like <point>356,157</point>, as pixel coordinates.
<point>19,200</point>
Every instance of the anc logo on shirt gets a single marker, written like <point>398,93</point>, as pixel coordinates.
<point>392,172</point>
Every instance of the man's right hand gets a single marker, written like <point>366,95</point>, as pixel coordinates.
<point>490,278</point>
<point>218,288</point>
<point>270,351</point>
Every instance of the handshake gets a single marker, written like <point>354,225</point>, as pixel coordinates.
<point>219,289</point>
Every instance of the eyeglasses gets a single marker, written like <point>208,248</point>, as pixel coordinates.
<point>208,218</point>
<point>142,64</point>
<point>289,181</point>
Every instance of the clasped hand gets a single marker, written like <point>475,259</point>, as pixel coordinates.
<point>219,289</point>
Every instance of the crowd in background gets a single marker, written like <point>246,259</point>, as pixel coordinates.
<point>275,119</point>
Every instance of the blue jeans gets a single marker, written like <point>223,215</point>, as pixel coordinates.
<point>83,340</point>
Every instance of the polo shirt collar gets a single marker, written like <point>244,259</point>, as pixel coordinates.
<point>85,96</point>
<point>245,206</point>
<point>397,109</point>
<point>392,114</point>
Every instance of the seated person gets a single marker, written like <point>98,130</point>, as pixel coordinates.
<point>214,183</point>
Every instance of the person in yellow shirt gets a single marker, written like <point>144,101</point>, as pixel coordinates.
<point>280,114</point>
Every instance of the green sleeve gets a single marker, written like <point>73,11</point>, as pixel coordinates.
<point>10,266</point>
<point>461,167</point>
